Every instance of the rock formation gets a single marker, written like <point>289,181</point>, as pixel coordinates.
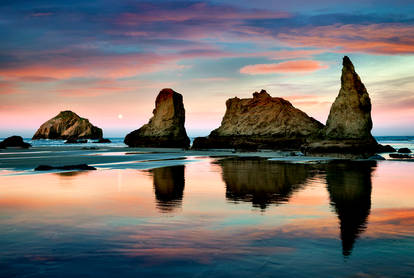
<point>166,127</point>
<point>169,187</point>
<point>266,122</point>
<point>404,150</point>
<point>103,141</point>
<point>350,114</point>
<point>348,128</point>
<point>399,155</point>
<point>385,149</point>
<point>78,167</point>
<point>263,182</point>
<point>14,141</point>
<point>68,125</point>
<point>261,122</point>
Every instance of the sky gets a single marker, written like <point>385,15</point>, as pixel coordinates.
<point>107,60</point>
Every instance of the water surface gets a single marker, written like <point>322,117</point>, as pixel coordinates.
<point>223,217</point>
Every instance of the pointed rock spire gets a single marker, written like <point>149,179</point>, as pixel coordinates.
<point>350,114</point>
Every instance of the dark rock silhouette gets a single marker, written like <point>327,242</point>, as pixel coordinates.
<point>376,157</point>
<point>76,141</point>
<point>169,187</point>
<point>385,149</point>
<point>260,122</point>
<point>66,167</point>
<point>349,186</point>
<point>103,141</point>
<point>262,182</point>
<point>68,125</point>
<point>399,155</point>
<point>404,150</point>
<point>348,128</point>
<point>14,141</point>
<point>166,127</point>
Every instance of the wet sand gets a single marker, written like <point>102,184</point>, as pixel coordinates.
<point>216,217</point>
<point>123,158</point>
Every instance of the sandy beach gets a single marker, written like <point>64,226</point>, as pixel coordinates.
<point>109,157</point>
<point>14,159</point>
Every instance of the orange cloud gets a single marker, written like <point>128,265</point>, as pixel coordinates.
<point>111,66</point>
<point>45,71</point>
<point>373,38</point>
<point>7,87</point>
<point>284,67</point>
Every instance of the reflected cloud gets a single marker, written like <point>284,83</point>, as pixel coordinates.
<point>262,182</point>
<point>169,187</point>
<point>349,186</point>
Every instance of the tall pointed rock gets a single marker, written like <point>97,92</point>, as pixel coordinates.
<point>348,129</point>
<point>166,128</point>
<point>350,114</point>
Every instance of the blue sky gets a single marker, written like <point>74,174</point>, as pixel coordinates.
<point>103,59</point>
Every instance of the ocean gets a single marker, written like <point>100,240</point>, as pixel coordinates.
<point>194,214</point>
<point>395,141</point>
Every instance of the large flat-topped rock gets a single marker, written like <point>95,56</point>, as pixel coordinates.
<point>262,120</point>
<point>166,127</point>
<point>68,124</point>
<point>266,116</point>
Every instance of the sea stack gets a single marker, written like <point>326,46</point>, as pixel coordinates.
<point>166,128</point>
<point>14,141</point>
<point>349,124</point>
<point>261,122</point>
<point>350,114</point>
<point>68,125</point>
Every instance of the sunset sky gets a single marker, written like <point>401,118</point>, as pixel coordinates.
<point>107,60</point>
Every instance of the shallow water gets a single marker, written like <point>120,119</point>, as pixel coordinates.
<point>243,217</point>
<point>395,141</point>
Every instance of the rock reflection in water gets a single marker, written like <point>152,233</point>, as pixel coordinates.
<point>263,182</point>
<point>70,174</point>
<point>168,187</point>
<point>349,186</point>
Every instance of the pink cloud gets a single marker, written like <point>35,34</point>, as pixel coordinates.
<point>42,14</point>
<point>197,11</point>
<point>284,67</point>
<point>110,66</point>
<point>64,66</point>
<point>374,38</point>
<point>7,87</point>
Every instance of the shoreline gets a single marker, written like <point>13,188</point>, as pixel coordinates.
<point>25,160</point>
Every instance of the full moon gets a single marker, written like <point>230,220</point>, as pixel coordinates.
<point>120,116</point>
